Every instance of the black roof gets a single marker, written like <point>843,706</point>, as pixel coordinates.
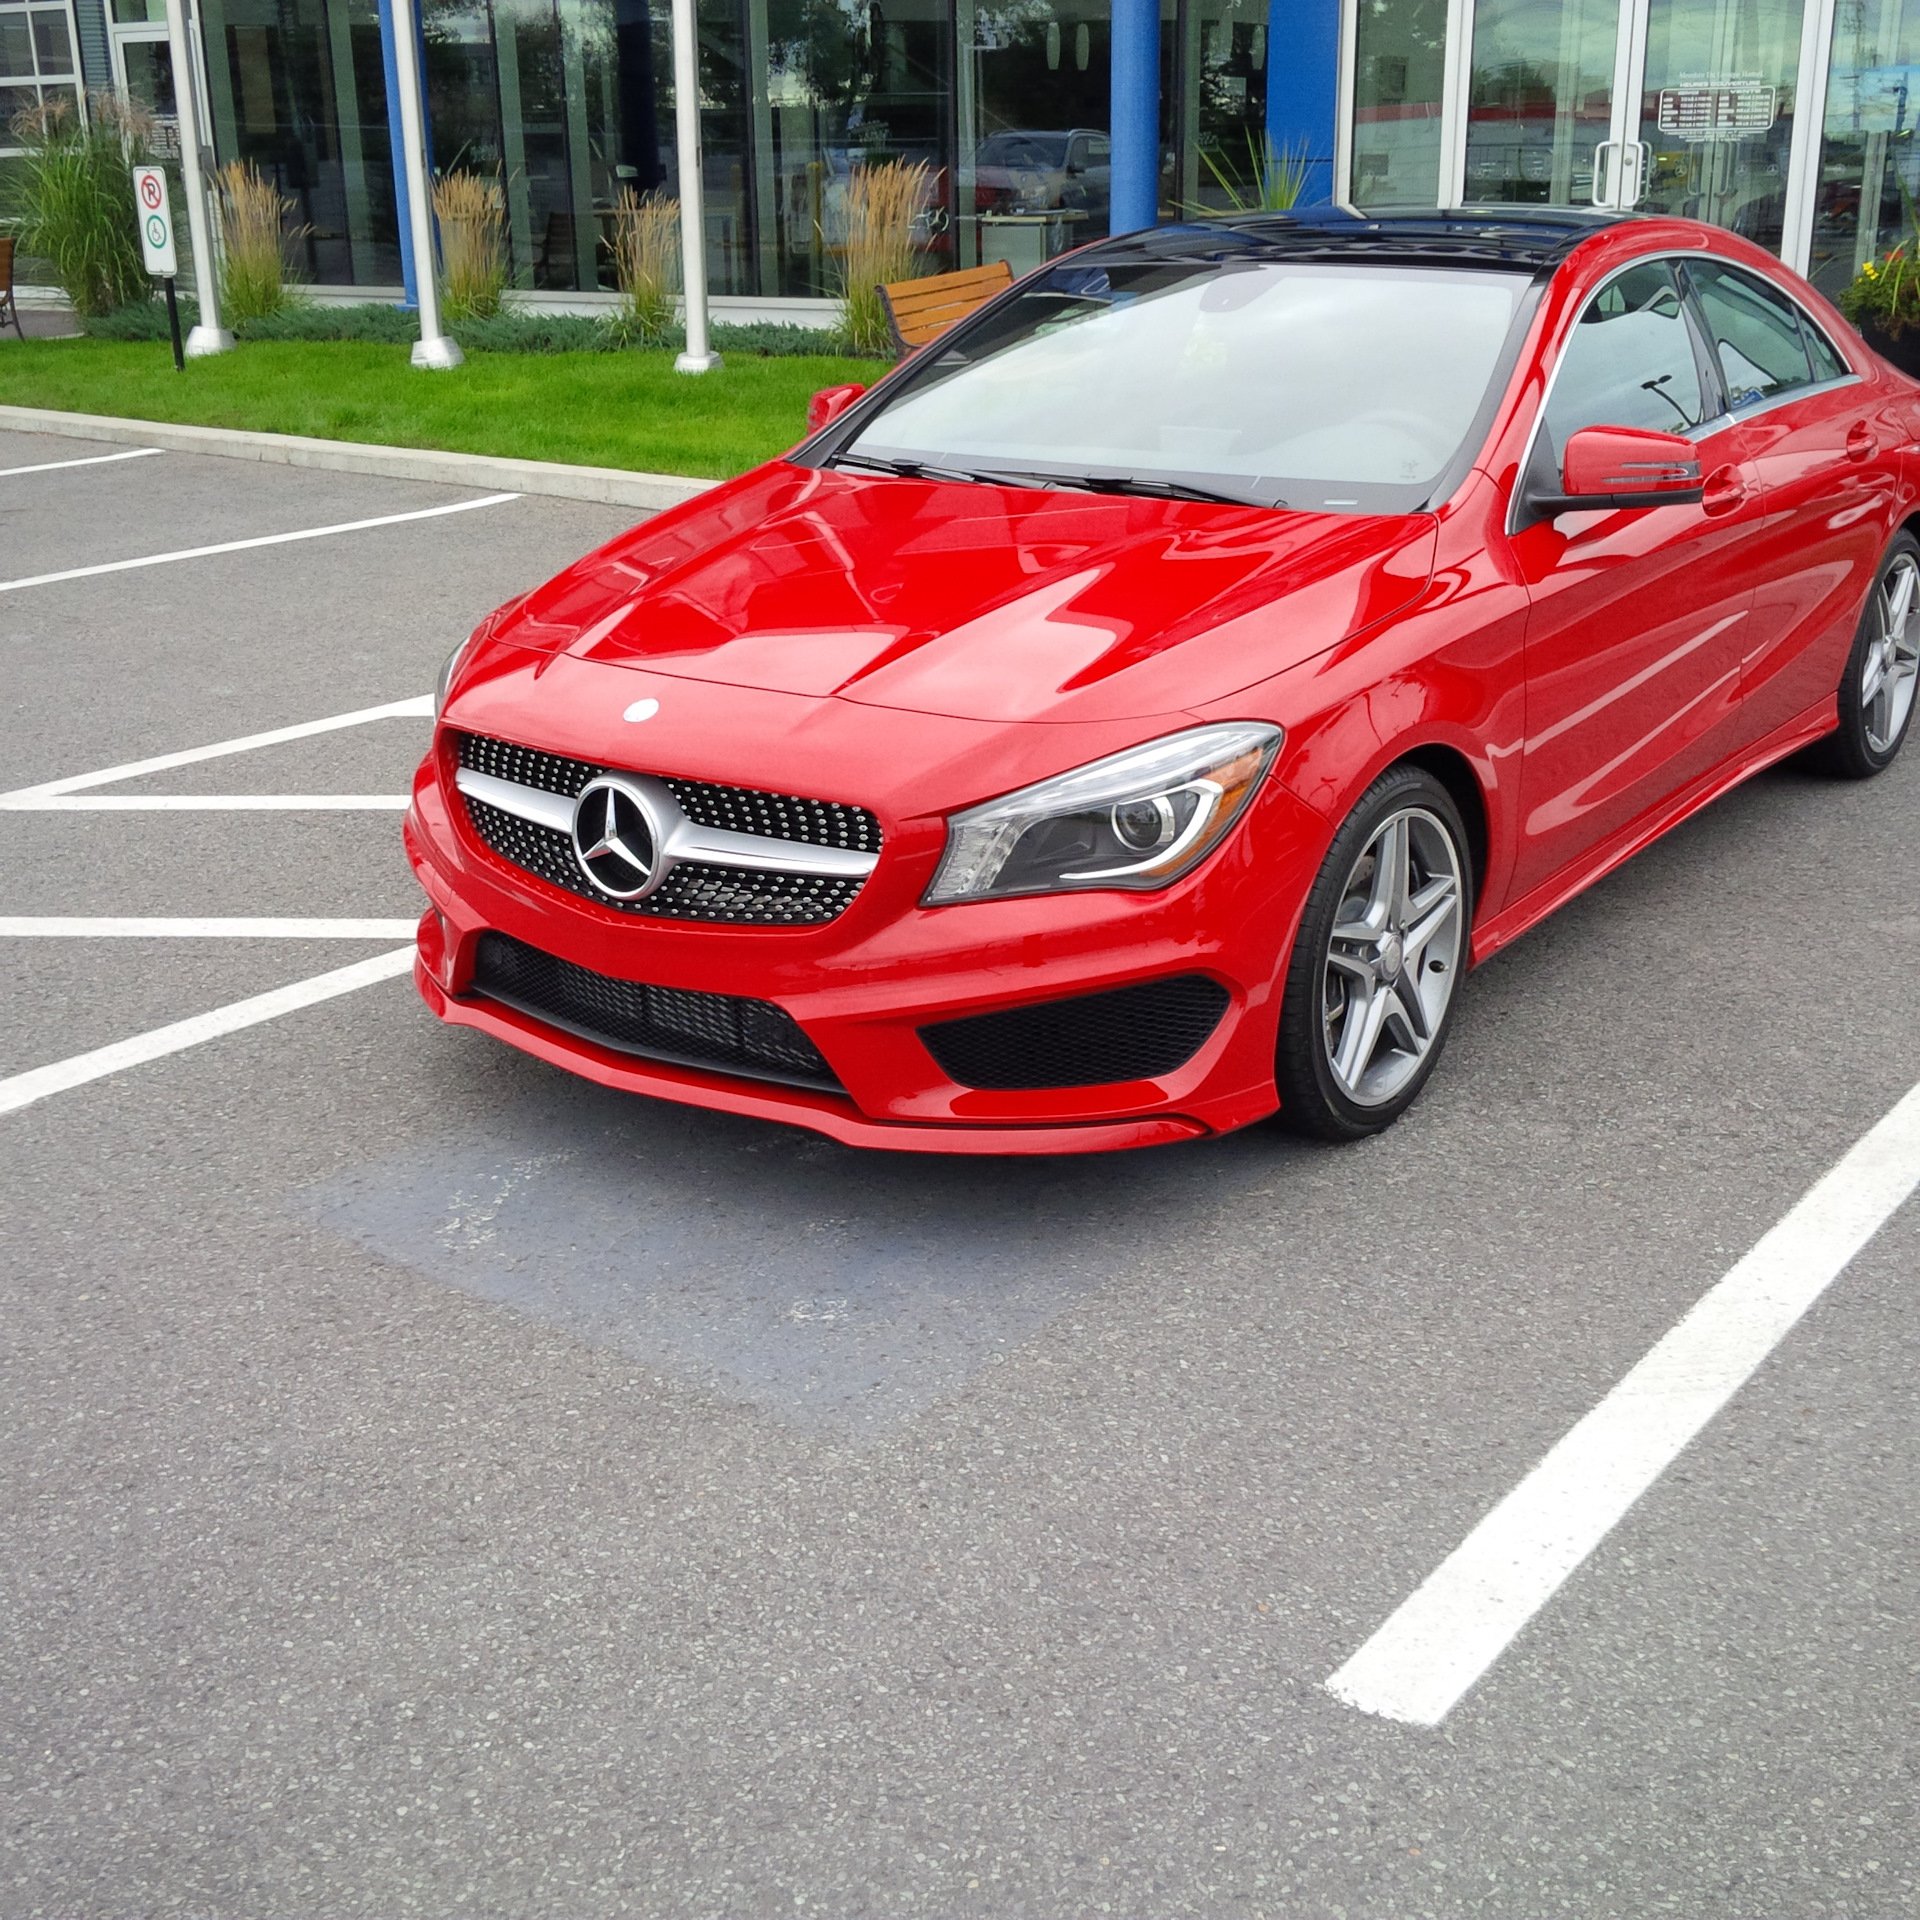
<point>1531,239</point>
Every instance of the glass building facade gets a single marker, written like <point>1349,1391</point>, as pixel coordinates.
<point>568,101</point>
<point>1790,121</point>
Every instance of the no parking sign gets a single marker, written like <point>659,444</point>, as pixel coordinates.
<point>156,222</point>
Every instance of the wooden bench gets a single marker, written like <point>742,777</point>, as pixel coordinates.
<point>9,307</point>
<point>922,310</point>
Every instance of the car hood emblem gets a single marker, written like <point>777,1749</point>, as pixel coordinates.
<point>615,839</point>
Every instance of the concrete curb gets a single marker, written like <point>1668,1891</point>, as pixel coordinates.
<point>611,486</point>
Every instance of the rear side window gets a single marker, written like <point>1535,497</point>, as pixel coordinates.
<point>1756,334</point>
<point>1827,364</point>
<point>1631,361</point>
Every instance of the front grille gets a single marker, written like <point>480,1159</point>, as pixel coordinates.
<point>774,816</point>
<point>728,896</point>
<point>737,896</point>
<point>1131,1033</point>
<point>749,1037</point>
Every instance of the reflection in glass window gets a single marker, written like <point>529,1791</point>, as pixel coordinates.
<point>1869,169</point>
<point>1399,66</point>
<point>1630,363</point>
<point>1756,334</point>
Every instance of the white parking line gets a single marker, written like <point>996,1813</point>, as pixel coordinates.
<point>260,540</point>
<point>23,1089</point>
<point>92,460</point>
<point>203,803</point>
<point>418,708</point>
<point>1446,1635</point>
<point>79,927</point>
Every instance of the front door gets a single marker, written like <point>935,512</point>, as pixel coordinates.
<point>1676,106</point>
<point>1638,625</point>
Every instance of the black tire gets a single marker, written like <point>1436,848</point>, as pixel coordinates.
<point>1313,1100</point>
<point>1851,753</point>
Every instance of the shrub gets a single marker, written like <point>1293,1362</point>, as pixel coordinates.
<point>73,198</point>
<point>253,243</point>
<point>511,330</point>
<point>646,264</point>
<point>882,203</point>
<point>1885,293</point>
<point>473,245</point>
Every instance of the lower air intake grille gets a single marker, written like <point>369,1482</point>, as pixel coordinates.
<point>749,1037</point>
<point>1132,1033</point>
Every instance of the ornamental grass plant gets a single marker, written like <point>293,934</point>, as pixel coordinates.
<point>254,239</point>
<point>882,204</point>
<point>472,212</point>
<point>71,197</point>
<point>646,265</point>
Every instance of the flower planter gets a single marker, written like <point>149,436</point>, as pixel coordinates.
<point>1903,348</point>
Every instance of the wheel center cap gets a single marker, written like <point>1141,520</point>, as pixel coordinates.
<point>1391,955</point>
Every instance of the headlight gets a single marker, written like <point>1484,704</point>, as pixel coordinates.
<point>1137,820</point>
<point>441,685</point>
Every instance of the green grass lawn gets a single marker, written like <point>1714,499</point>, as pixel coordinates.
<point>599,409</point>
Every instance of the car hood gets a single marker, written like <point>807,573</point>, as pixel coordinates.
<point>975,602</point>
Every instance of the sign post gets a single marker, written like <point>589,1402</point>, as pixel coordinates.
<point>154,211</point>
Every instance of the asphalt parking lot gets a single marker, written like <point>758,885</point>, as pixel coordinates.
<point>429,1484</point>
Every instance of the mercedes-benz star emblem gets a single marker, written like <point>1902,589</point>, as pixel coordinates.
<point>613,839</point>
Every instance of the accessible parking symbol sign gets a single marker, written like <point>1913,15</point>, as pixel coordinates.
<point>156,222</point>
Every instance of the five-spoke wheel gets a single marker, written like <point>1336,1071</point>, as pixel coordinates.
<point>1877,689</point>
<point>1380,948</point>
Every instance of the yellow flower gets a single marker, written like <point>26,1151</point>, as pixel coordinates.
<point>1871,271</point>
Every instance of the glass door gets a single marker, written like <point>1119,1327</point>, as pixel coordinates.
<point>1679,106</point>
<point>1541,114</point>
<point>1716,111</point>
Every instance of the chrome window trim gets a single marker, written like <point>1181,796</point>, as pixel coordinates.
<point>1720,421</point>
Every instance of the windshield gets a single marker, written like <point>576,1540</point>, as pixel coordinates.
<point>1326,387</point>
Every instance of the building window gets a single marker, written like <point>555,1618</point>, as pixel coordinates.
<point>39,63</point>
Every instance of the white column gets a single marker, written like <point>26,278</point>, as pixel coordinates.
<point>433,348</point>
<point>698,358</point>
<point>209,336</point>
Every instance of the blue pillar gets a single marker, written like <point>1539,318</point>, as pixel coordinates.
<point>397,145</point>
<point>1303,87</point>
<point>1136,114</point>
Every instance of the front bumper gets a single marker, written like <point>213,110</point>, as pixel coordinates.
<point>862,985</point>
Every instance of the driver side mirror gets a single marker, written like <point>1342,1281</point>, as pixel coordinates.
<point>1611,467</point>
<point>829,404</point>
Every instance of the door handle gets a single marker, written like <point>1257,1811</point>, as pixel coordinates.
<point>1641,170</point>
<point>1602,187</point>
<point>1861,445</point>
<point>1725,489</point>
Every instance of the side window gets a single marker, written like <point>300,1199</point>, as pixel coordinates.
<point>1630,362</point>
<point>1827,364</point>
<point>1099,151</point>
<point>1756,334</point>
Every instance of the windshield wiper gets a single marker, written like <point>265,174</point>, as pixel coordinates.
<point>927,470</point>
<point>1154,489</point>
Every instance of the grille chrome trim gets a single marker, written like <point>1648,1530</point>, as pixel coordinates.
<point>681,839</point>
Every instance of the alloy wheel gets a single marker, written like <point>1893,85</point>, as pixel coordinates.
<point>1393,956</point>
<point>1893,657</point>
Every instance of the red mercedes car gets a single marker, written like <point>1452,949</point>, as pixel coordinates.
<point>1132,717</point>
